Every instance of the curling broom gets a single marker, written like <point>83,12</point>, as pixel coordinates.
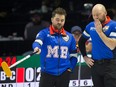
<point>7,69</point>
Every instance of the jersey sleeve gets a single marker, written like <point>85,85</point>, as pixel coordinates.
<point>73,45</point>
<point>39,40</point>
<point>73,61</point>
<point>86,32</point>
<point>113,31</point>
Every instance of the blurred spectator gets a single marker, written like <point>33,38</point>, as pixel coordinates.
<point>44,8</point>
<point>54,4</point>
<point>77,32</point>
<point>112,12</point>
<point>36,24</point>
<point>3,14</point>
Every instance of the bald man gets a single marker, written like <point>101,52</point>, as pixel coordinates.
<point>102,32</point>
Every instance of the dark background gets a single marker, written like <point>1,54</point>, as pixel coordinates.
<point>14,15</point>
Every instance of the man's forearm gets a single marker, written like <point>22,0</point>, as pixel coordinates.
<point>82,46</point>
<point>109,42</point>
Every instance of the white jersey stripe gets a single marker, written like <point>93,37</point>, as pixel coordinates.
<point>86,34</point>
<point>113,34</point>
<point>39,41</point>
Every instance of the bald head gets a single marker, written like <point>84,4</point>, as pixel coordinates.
<point>99,7</point>
<point>99,12</point>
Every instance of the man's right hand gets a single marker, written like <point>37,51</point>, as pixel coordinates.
<point>89,61</point>
<point>37,50</point>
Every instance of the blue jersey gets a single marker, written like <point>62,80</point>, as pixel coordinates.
<point>55,51</point>
<point>99,49</point>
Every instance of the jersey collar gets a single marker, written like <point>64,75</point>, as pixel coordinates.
<point>107,21</point>
<point>53,31</point>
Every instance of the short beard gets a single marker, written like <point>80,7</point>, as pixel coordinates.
<point>59,28</point>
<point>102,21</point>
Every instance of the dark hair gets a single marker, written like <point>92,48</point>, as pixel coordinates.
<point>60,11</point>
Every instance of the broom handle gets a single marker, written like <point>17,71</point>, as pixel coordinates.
<point>26,57</point>
<point>79,71</point>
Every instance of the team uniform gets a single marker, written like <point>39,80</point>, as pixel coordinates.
<point>99,49</point>
<point>104,58</point>
<point>55,54</point>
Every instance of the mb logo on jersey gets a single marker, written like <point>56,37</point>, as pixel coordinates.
<point>105,28</point>
<point>66,38</point>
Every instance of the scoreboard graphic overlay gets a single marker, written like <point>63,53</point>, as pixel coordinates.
<point>27,73</point>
